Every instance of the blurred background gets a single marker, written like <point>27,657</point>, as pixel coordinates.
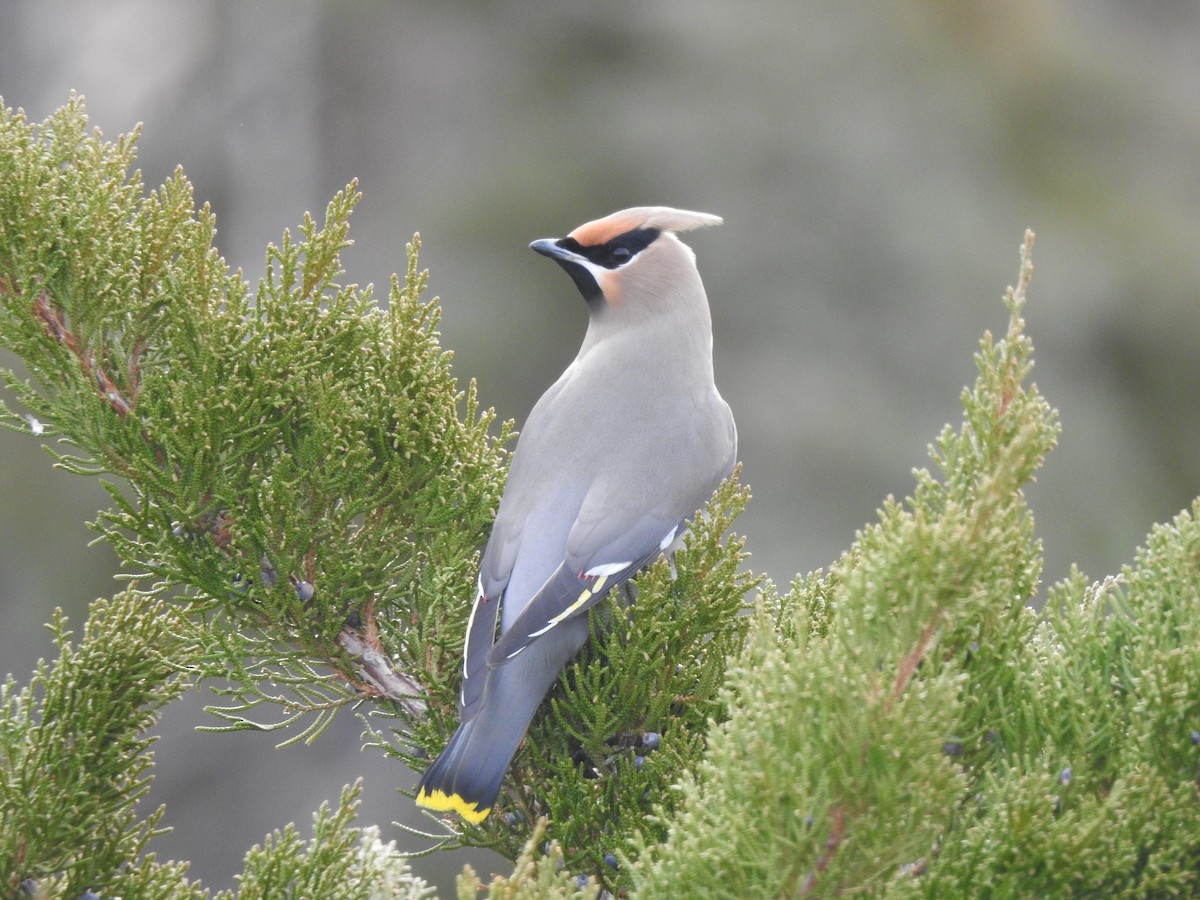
<point>876,165</point>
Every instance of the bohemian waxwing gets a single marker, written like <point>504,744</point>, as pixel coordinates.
<point>615,460</point>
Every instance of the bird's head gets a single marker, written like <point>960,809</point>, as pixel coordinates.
<point>631,260</point>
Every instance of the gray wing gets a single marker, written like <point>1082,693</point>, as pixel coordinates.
<point>525,547</point>
<point>589,571</point>
<point>481,634</point>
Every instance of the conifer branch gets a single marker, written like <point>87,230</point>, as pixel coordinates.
<point>304,472</point>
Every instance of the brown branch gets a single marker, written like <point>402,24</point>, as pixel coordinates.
<point>52,320</point>
<point>832,843</point>
<point>908,665</point>
<point>379,677</point>
<point>904,675</point>
<point>109,391</point>
<point>134,371</point>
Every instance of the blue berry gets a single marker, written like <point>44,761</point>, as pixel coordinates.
<point>1064,776</point>
<point>611,861</point>
<point>638,761</point>
<point>953,747</point>
<point>651,740</point>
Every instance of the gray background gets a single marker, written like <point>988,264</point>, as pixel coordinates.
<point>876,165</point>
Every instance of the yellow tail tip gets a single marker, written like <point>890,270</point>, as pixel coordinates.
<point>442,802</point>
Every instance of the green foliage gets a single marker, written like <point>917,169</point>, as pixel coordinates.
<point>299,460</point>
<point>904,725</point>
<point>832,772</point>
<point>299,471</point>
<point>1095,788</point>
<point>74,756</point>
<point>337,862</point>
<point>540,872</point>
<point>297,465</point>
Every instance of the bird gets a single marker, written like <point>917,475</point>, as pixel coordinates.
<point>615,460</point>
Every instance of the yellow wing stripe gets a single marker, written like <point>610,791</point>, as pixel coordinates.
<point>442,802</point>
<point>583,598</point>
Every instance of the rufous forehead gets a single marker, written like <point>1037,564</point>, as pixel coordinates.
<point>601,231</point>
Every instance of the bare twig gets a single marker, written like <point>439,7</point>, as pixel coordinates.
<point>52,320</point>
<point>908,665</point>
<point>832,843</point>
<point>379,676</point>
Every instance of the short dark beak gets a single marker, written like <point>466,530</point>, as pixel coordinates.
<point>549,247</point>
<point>575,265</point>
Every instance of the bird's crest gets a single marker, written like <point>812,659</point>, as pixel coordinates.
<point>664,218</point>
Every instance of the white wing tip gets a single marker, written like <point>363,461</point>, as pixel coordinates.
<point>605,569</point>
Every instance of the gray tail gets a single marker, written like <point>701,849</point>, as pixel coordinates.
<point>466,777</point>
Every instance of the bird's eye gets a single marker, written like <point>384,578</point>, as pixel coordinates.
<point>620,255</point>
